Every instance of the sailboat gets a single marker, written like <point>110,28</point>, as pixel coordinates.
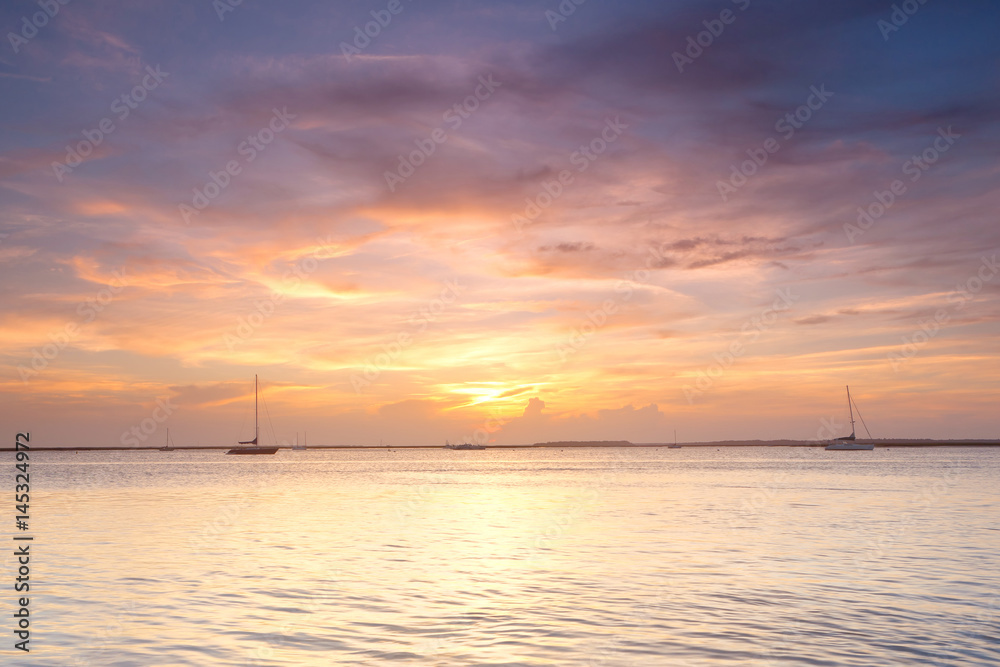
<point>848,442</point>
<point>256,449</point>
<point>675,445</point>
<point>167,447</point>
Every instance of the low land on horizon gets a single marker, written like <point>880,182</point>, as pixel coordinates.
<point>879,442</point>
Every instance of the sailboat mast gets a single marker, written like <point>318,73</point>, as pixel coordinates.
<point>849,407</point>
<point>256,428</point>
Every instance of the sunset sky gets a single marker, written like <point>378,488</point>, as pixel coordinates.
<point>497,216</point>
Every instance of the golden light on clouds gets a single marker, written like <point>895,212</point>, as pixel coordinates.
<point>532,263</point>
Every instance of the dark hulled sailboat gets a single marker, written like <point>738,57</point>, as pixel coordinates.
<point>256,449</point>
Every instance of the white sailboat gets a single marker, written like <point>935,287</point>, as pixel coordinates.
<point>167,447</point>
<point>675,445</point>
<point>849,443</point>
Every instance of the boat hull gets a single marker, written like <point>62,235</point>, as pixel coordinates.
<point>253,450</point>
<point>849,446</point>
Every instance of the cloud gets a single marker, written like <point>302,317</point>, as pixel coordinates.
<point>627,422</point>
<point>813,319</point>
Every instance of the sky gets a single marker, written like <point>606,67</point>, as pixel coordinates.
<point>503,222</point>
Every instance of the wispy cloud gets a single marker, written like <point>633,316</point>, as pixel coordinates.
<point>642,228</point>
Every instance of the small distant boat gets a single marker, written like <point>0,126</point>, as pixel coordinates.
<point>297,447</point>
<point>167,447</point>
<point>849,442</point>
<point>256,433</point>
<point>464,445</point>
<point>675,445</point>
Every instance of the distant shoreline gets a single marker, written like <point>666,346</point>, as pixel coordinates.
<point>549,445</point>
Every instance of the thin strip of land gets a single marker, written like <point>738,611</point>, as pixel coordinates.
<point>887,442</point>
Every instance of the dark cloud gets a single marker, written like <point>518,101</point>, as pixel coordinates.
<point>568,247</point>
<point>813,319</point>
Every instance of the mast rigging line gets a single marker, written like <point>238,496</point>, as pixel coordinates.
<point>267,413</point>
<point>862,420</point>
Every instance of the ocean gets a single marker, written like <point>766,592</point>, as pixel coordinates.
<point>612,557</point>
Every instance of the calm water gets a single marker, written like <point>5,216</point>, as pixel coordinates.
<point>758,556</point>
